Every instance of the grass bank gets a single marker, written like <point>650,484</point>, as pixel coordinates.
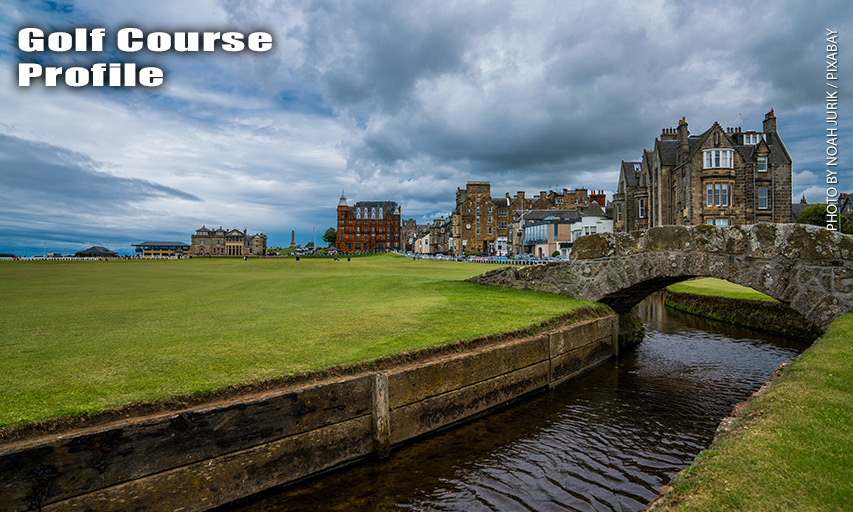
<point>80,337</point>
<point>719,288</point>
<point>739,305</point>
<point>792,448</point>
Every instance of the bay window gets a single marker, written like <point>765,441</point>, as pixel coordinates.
<point>718,158</point>
<point>718,194</point>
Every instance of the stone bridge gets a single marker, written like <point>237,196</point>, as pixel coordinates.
<point>806,267</point>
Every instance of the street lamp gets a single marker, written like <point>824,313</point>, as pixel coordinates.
<point>521,226</point>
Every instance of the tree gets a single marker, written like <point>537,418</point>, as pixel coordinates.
<point>815,215</point>
<point>330,236</point>
<point>309,245</point>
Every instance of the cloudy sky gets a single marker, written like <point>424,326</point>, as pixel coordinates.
<point>389,100</point>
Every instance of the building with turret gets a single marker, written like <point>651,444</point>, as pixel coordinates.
<point>721,177</point>
<point>368,226</point>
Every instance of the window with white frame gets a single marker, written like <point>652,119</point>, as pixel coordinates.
<point>762,164</point>
<point>750,138</point>
<point>719,158</point>
<point>641,208</point>
<point>762,198</point>
<point>718,194</point>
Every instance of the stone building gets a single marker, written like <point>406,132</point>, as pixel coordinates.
<point>719,177</point>
<point>408,233</point>
<point>439,236</point>
<point>492,225</point>
<point>845,204</point>
<point>219,242</point>
<point>630,202</point>
<point>368,226</point>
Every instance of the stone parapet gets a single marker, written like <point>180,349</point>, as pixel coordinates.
<point>805,267</point>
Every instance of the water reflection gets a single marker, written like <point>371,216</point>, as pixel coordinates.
<point>605,441</point>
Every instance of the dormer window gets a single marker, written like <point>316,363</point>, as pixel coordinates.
<point>719,158</point>
<point>762,164</point>
<point>750,138</point>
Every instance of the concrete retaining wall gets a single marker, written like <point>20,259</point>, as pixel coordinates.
<point>207,456</point>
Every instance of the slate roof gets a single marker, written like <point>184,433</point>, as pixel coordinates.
<point>385,205</point>
<point>537,215</point>
<point>778,153</point>
<point>797,209</point>
<point>161,244</point>
<point>95,250</point>
<point>629,174</point>
<point>594,210</point>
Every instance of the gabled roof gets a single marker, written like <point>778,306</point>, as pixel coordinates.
<point>797,209</point>
<point>594,210</point>
<point>668,149</point>
<point>630,173</point>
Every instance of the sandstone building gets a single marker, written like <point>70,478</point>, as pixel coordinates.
<point>368,226</point>
<point>219,242</point>
<point>493,225</point>
<point>719,177</point>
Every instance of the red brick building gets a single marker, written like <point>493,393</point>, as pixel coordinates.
<point>368,226</point>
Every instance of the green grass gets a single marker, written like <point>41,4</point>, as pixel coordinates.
<point>718,287</point>
<point>793,448</point>
<point>80,337</point>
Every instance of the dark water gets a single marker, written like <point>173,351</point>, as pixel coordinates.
<point>606,441</point>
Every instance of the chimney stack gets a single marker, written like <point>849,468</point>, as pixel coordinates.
<point>682,134</point>
<point>770,122</point>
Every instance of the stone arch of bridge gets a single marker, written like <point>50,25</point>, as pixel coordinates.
<point>808,268</point>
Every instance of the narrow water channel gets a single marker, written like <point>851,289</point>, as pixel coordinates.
<point>605,441</point>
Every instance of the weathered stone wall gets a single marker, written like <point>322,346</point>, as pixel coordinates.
<point>207,456</point>
<point>806,267</point>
